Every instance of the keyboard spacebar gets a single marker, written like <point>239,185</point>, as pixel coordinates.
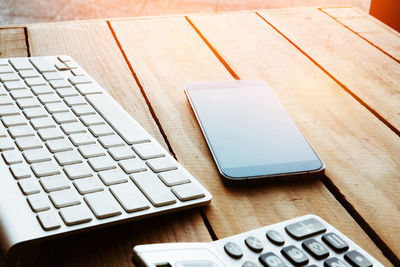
<point>122,123</point>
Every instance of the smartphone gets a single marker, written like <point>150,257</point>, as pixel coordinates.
<point>249,133</point>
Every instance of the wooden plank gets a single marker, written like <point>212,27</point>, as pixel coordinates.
<point>360,152</point>
<point>367,72</point>
<point>12,43</point>
<point>179,56</point>
<point>94,47</point>
<point>367,27</point>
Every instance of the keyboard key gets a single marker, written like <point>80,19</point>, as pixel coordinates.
<point>6,100</point>
<point>6,144</point>
<point>295,255</point>
<point>82,110</point>
<point>110,111</point>
<point>52,76</point>
<point>74,127</point>
<point>56,84</point>
<point>335,262</point>
<point>161,164</point>
<point>64,198</point>
<point>101,130</point>
<point>158,194</point>
<point>356,259</point>
<point>21,63</point>
<point>45,169</point>
<point>56,108</point>
<point>64,117</point>
<point>121,152</point>
<point>103,204</point>
<point>87,89</point>
<point>15,85</point>
<point>102,163</point>
<point>25,143</point>
<point>27,103</point>
<point>132,165</point>
<point>15,120</point>
<point>35,81</point>
<point>82,139</point>
<point>54,183</point>
<point>249,264</point>
<point>20,171</point>
<point>6,69</point>
<point>29,74</point>
<point>175,177</point>
<point>68,157</point>
<point>275,237</point>
<point>21,131</point>
<point>9,77</point>
<point>76,214</point>
<point>114,176</point>
<point>90,120</point>
<point>111,141</point>
<point>269,259</point>
<point>48,98</point>
<point>188,191</point>
<point>38,202</point>
<point>233,250</point>
<point>18,94</point>
<point>36,155</point>
<point>49,220</point>
<point>42,90</point>
<point>335,242</point>
<point>78,171</point>
<point>254,244</point>
<point>12,157</point>
<point>50,134</point>
<point>75,100</point>
<point>88,185</point>
<point>9,110</point>
<point>79,80</point>
<point>60,66</point>
<point>29,186</point>
<point>91,151</point>
<point>148,151</point>
<point>315,248</point>
<point>130,198</point>
<point>59,145</point>
<point>42,65</point>
<point>32,113</point>
<point>305,229</point>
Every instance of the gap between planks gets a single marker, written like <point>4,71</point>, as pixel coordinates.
<point>326,180</point>
<point>359,35</point>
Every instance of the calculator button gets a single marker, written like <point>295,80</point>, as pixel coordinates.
<point>295,255</point>
<point>305,228</point>
<point>335,262</point>
<point>335,242</point>
<point>315,248</point>
<point>356,259</point>
<point>249,264</point>
<point>254,244</point>
<point>233,250</point>
<point>269,259</point>
<point>275,237</point>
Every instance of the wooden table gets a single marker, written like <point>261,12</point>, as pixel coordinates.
<point>336,71</point>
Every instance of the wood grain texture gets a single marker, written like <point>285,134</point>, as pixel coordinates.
<point>93,46</point>
<point>179,56</point>
<point>12,43</point>
<point>360,152</point>
<point>362,68</point>
<point>369,28</point>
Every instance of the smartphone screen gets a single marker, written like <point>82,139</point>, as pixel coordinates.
<point>248,131</point>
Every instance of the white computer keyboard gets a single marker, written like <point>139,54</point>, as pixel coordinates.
<point>72,159</point>
<point>303,241</point>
